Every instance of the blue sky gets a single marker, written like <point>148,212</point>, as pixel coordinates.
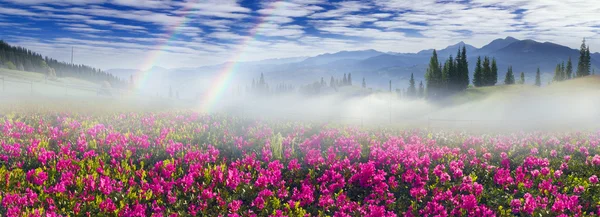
<point>189,33</point>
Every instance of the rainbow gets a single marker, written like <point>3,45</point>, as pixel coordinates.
<point>141,77</point>
<point>223,77</point>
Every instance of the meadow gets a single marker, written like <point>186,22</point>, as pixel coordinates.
<point>183,163</point>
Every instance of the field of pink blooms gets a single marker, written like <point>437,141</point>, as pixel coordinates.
<point>187,164</point>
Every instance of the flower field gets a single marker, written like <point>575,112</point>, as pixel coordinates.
<point>187,164</point>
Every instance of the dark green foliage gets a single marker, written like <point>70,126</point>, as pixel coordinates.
<point>510,77</point>
<point>487,71</point>
<point>10,65</point>
<point>478,79</point>
<point>412,90</point>
<point>494,75</point>
<point>569,69</point>
<point>433,77</point>
<point>538,79</point>
<point>463,69</point>
<point>584,65</point>
<point>26,60</point>
<point>349,79</point>
<point>421,93</point>
<point>522,81</point>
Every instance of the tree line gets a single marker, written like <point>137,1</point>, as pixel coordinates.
<point>446,79</point>
<point>584,67</point>
<point>453,75</point>
<point>22,59</point>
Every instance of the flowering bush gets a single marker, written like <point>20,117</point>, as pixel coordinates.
<point>183,163</point>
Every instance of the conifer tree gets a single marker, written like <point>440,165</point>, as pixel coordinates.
<point>487,72</point>
<point>569,69</point>
<point>556,73</point>
<point>421,90</point>
<point>349,79</point>
<point>588,60</point>
<point>478,76</point>
<point>323,84</point>
<point>510,77</point>
<point>170,92</point>
<point>522,81</point>
<point>494,74</point>
<point>446,79</point>
<point>345,80</point>
<point>433,76</point>
<point>563,72</point>
<point>261,82</point>
<point>464,71</point>
<point>538,79</point>
<point>412,90</point>
<point>582,65</point>
<point>364,83</point>
<point>332,82</point>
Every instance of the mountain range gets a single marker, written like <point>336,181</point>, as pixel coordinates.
<point>378,68</point>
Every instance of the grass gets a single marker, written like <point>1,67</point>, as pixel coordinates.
<point>508,92</point>
<point>39,77</point>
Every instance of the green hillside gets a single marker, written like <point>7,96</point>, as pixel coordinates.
<point>508,92</point>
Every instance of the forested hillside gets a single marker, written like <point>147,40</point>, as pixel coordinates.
<point>19,58</point>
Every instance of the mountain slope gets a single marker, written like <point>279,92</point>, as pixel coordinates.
<point>378,68</point>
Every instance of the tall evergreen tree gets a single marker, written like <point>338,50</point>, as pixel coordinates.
<point>510,77</point>
<point>538,79</point>
<point>323,84</point>
<point>582,64</point>
<point>349,79</point>
<point>569,69</point>
<point>433,76</point>
<point>522,81</point>
<point>563,71</point>
<point>332,82</point>
<point>464,71</point>
<point>556,73</point>
<point>412,90</point>
<point>261,82</point>
<point>588,60</point>
<point>345,80</point>
<point>494,74</point>
<point>170,92</point>
<point>487,72</point>
<point>478,79</point>
<point>364,83</point>
<point>447,71</point>
<point>421,90</point>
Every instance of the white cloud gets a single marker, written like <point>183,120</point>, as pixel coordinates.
<point>213,8</point>
<point>288,9</point>
<point>343,8</point>
<point>85,29</point>
<point>161,4</point>
<point>55,2</point>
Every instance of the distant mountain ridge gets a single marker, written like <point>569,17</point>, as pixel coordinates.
<point>380,67</point>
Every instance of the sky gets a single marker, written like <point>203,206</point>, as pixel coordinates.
<point>140,34</point>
